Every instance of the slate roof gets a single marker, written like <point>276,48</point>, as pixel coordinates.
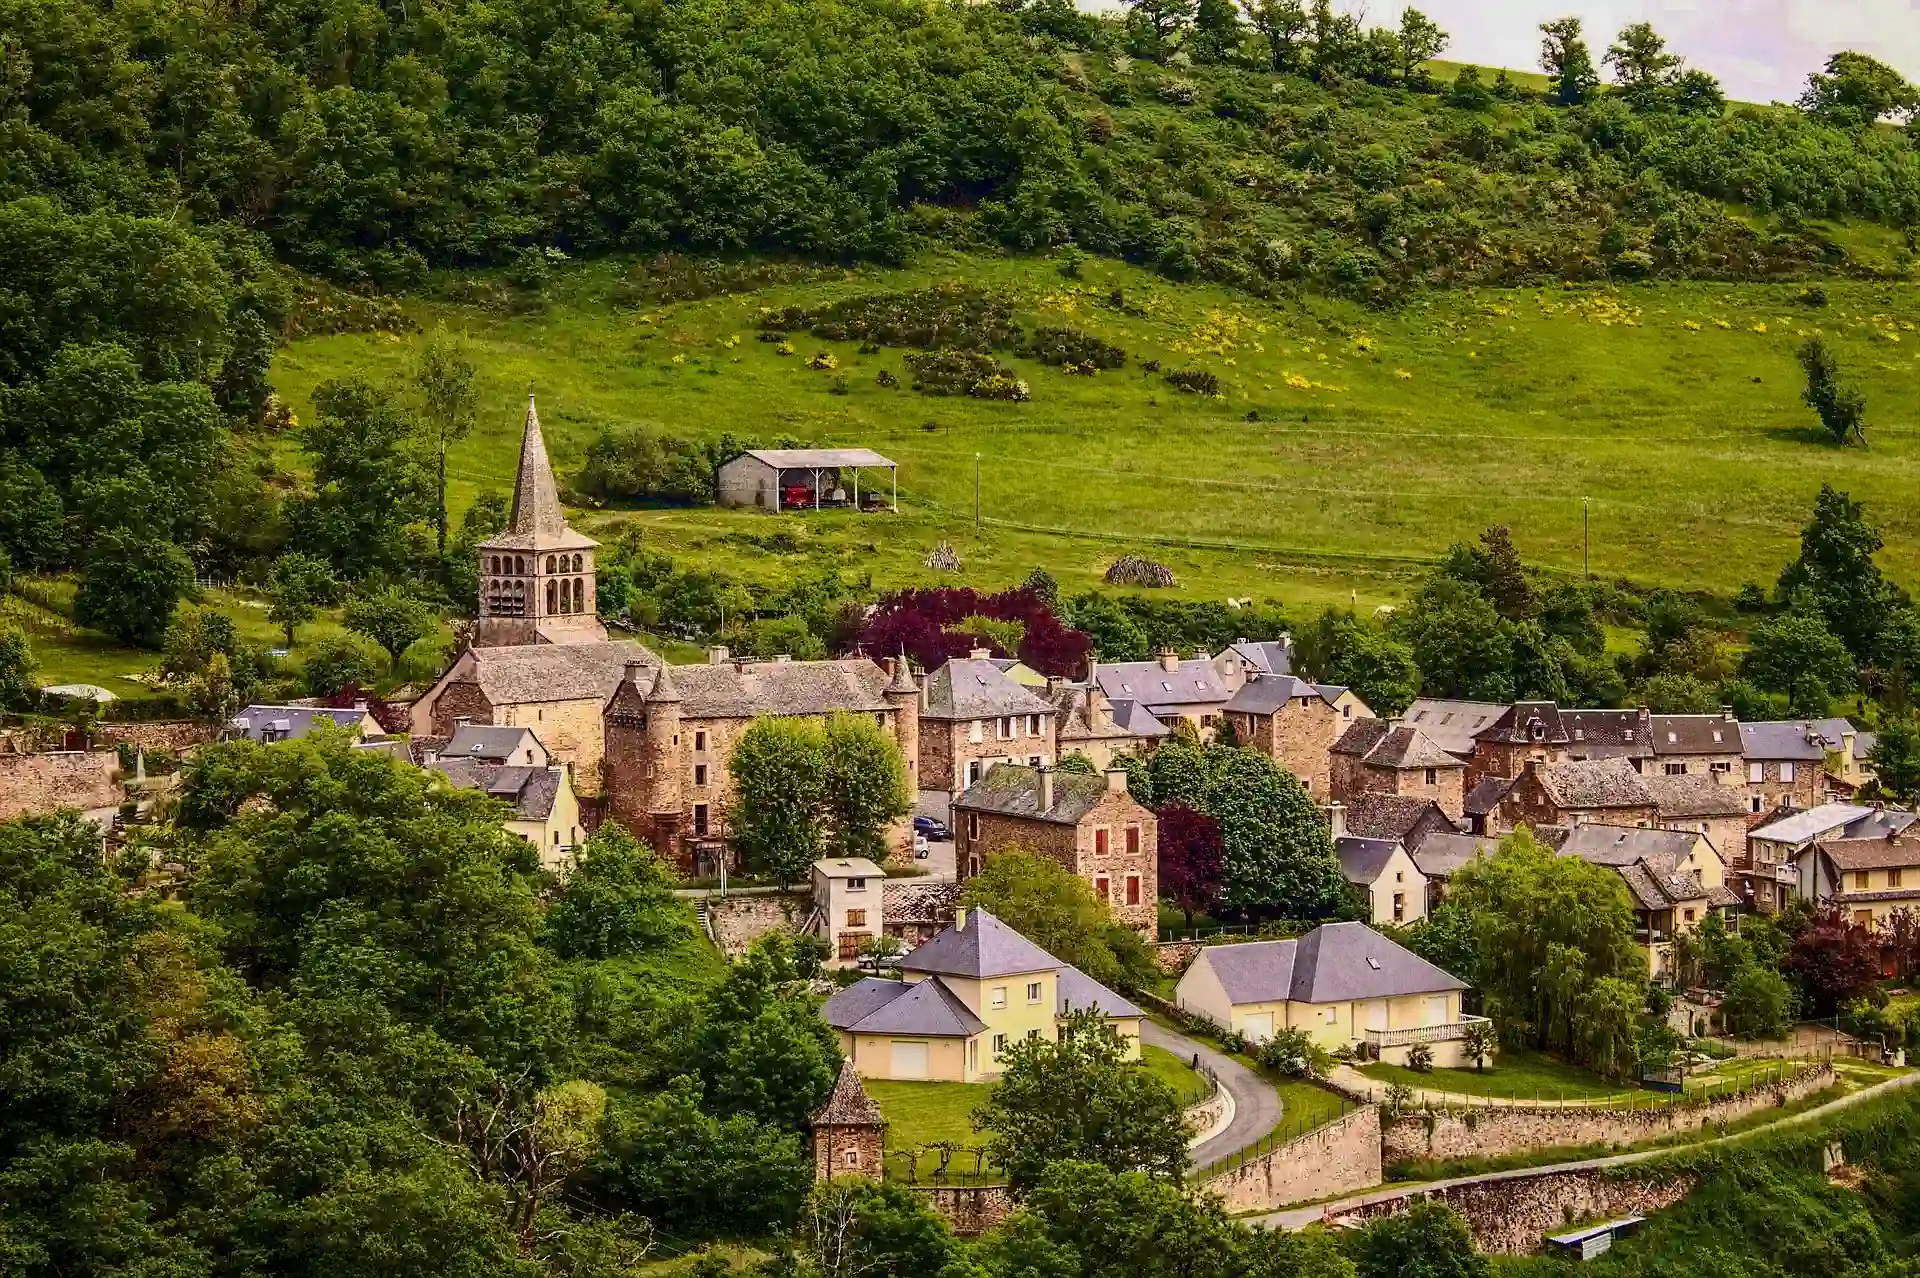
<point>1452,725</point>
<point>1695,734</point>
<point>290,723</point>
<point>1362,860</point>
<point>918,902</point>
<point>920,1008</point>
<point>1527,723</point>
<point>538,522</point>
<point>1138,720</point>
<point>1013,789</point>
<point>1268,656</point>
<point>1389,745</point>
<point>1872,854</point>
<point>1334,963</point>
<point>1811,823</point>
<point>1883,894</point>
<point>530,792</point>
<point>848,867</point>
<point>1618,845</point>
<point>1439,855</point>
<point>1268,694</point>
<point>1600,734</point>
<point>491,744</point>
<point>848,1105</point>
<point>1782,740</point>
<point>1077,991</point>
<point>1193,682</point>
<point>1486,795</point>
<point>535,672</point>
<point>970,688</point>
<point>1594,783</point>
<point>814,458</point>
<point>750,689</point>
<point>1389,816</point>
<point>1689,795</point>
<point>984,947</point>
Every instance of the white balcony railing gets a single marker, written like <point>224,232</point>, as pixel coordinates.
<point>1449,1032</point>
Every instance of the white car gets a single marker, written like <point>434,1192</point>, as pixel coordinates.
<point>919,847</point>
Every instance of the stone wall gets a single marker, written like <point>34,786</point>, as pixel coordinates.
<point>1489,1132</point>
<point>1335,1159</point>
<point>1512,1215</point>
<point>970,1209</point>
<point>33,784</point>
<point>1208,1116</point>
<point>1175,956</point>
<point>740,920</point>
<point>946,746</point>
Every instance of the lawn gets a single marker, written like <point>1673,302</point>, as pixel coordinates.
<point>1347,450</point>
<point>1515,1075</point>
<point>1175,1072</point>
<point>920,1114</point>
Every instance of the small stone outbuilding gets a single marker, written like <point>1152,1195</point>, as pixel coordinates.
<point>849,1132</point>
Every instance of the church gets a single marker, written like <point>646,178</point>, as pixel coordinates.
<point>646,744</point>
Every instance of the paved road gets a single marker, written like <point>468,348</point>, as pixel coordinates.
<point>1301,1217</point>
<point>1256,1106</point>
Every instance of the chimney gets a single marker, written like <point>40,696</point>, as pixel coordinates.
<point>1336,820</point>
<point>360,704</point>
<point>462,721</point>
<point>1054,683</point>
<point>717,655</point>
<point>1046,788</point>
<point>960,919</point>
<point>633,672</point>
<point>1169,660</point>
<point>1240,641</point>
<point>980,654</point>
<point>1726,712</point>
<point>1116,780</point>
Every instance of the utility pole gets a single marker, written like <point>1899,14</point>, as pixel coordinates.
<point>976,495</point>
<point>1586,536</point>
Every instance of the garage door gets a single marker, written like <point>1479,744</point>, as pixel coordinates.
<point>1258,1027</point>
<point>909,1060</point>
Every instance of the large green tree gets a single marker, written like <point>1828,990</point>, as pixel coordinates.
<point>442,374</point>
<point>864,786</point>
<point>1836,567</point>
<point>1341,649</point>
<point>368,485</point>
<point>779,775</point>
<point>130,584</point>
<point>1055,909</point>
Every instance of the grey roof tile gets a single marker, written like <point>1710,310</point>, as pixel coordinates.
<point>921,1007</point>
<point>1334,963</point>
<point>848,1105</point>
<point>1078,991</point>
<point>966,688</point>
<point>1362,860</point>
<point>1013,789</point>
<point>746,690</point>
<point>1453,725</point>
<point>1695,734</point>
<point>1798,740</point>
<point>1594,783</point>
<point>536,672</point>
<point>1269,694</point>
<point>1191,683</point>
<point>290,723</point>
<point>483,741</point>
<point>982,947</point>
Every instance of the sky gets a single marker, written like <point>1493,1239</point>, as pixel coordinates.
<point>1762,50</point>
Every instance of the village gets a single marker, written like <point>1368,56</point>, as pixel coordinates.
<point>1318,1047</point>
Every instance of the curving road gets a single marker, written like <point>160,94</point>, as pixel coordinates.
<point>1256,1106</point>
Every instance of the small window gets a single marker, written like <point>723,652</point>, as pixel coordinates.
<point>973,771</point>
<point>1687,915</point>
<point>1786,770</point>
<point>1333,1016</point>
<point>1860,881</point>
<point>1893,878</point>
<point>700,818</point>
<point>1100,841</point>
<point>1674,769</point>
<point>1754,803</point>
<point>1006,729</point>
<point>1346,712</point>
<point>856,885</point>
<point>1033,725</point>
<point>1033,761</point>
<point>999,1044</point>
<point>1399,907</point>
<point>856,918</point>
<point>1720,768</point>
<point>556,838</point>
<point>999,997</point>
<point>1033,991</point>
<point>852,1158</point>
<point>973,825</point>
<point>975,731</point>
<point>1032,1034</point>
<point>1102,888</point>
<point>700,774</point>
<point>1133,889</point>
<point>1756,773</point>
<point>700,739</point>
<point>1133,840</point>
<point>1433,776</point>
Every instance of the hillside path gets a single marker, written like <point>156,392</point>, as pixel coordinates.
<point>1256,1106</point>
<point>1301,1217</point>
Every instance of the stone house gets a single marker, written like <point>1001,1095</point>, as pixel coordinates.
<point>1376,757</point>
<point>1344,984</point>
<point>1608,791</point>
<point>1241,660</point>
<point>974,715</point>
<point>486,744</point>
<point>1786,765</point>
<point>1869,879</point>
<point>1089,824</point>
<point>558,691</point>
<point>849,1132</point>
<point>537,574</point>
<point>1772,870</point>
<point>1170,689</point>
<point>1292,722</point>
<point>1088,724</point>
<point>1452,725</point>
<point>270,723</point>
<point>1698,745</point>
<point>1701,803</point>
<point>962,999</point>
<point>1395,889</point>
<point>541,805</point>
<point>670,731</point>
<point>1541,732</point>
<point>1675,877</point>
<point>1406,819</point>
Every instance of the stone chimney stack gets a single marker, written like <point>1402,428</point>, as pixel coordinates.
<point>1116,780</point>
<point>1046,788</point>
<point>1169,660</point>
<point>717,655</point>
<point>1337,820</point>
<point>980,654</point>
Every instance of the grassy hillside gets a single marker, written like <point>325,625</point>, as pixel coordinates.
<point>1348,448</point>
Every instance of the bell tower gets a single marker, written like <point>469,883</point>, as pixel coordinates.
<point>537,576</point>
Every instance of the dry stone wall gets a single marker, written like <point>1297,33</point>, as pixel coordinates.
<point>1489,1132</point>
<point>969,1209</point>
<point>739,921</point>
<point>1512,1216</point>
<point>1335,1159</point>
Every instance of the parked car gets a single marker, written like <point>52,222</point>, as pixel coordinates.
<point>932,827</point>
<point>920,847</point>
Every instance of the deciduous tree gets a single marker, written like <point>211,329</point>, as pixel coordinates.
<point>618,899</point>
<point>1190,859</point>
<point>298,586</point>
<point>1841,407</point>
<point>1568,62</point>
<point>130,584</point>
<point>779,774</point>
<point>442,374</point>
<point>864,786</point>
<point>391,618</point>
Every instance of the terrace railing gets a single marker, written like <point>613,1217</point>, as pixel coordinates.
<point>1449,1032</point>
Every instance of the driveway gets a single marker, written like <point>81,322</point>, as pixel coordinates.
<point>1256,1106</point>
<point>939,864</point>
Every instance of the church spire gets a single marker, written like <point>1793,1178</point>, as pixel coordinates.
<point>536,500</point>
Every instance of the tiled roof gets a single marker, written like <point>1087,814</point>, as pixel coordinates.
<point>1527,723</point>
<point>290,723</point>
<point>1695,734</point>
<point>482,741</point>
<point>525,673</point>
<point>848,1105</point>
<point>1884,894</point>
<point>1077,992</point>
<point>1695,796</point>
<point>749,689</point>
<point>1872,854</point>
<point>1798,740</point>
<point>1193,682</point>
<point>967,688</point>
<point>1486,795</point>
<point>1389,745</point>
<point>1138,720</point>
<point>1388,816</point>
<point>1362,860</point>
<point>1013,789</point>
<point>1269,694</point>
<point>1082,715</point>
<point>1269,656</point>
<point>1812,823</point>
<point>919,902</point>
<point>1452,725</point>
<point>982,947</point>
<point>1618,845</point>
<point>1594,783</point>
<point>1598,734</point>
<point>899,1007</point>
<point>1439,855</point>
<point>1334,963</point>
<point>529,791</point>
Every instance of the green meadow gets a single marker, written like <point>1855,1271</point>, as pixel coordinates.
<point>1651,432</point>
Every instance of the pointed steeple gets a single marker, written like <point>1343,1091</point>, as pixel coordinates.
<point>663,687</point>
<point>902,675</point>
<point>536,499</point>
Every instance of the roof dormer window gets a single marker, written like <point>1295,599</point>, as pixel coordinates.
<point>1673,737</point>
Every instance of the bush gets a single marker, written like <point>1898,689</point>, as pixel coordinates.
<point>1420,1058</point>
<point>1292,1053</point>
<point>337,662</point>
<point>946,318</point>
<point>965,373</point>
<point>1195,381</point>
<point>1073,348</point>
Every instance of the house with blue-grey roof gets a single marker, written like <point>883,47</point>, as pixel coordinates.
<point>1342,984</point>
<point>1385,872</point>
<point>961,1000</point>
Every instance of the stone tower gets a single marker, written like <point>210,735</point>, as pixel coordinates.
<point>537,577</point>
<point>644,758</point>
<point>904,696</point>
<point>849,1133</point>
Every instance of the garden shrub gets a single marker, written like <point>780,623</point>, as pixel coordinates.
<point>1195,381</point>
<point>1073,349</point>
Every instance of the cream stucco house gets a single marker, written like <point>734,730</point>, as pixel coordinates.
<point>541,805</point>
<point>962,999</point>
<point>1382,869</point>
<point>1344,984</point>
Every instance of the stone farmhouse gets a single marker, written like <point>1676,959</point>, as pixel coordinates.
<point>962,999</point>
<point>1089,824</point>
<point>1374,756</point>
<point>1610,791</point>
<point>1868,879</point>
<point>974,715</point>
<point>1675,877</point>
<point>1170,688</point>
<point>542,807</point>
<point>1087,723</point>
<point>1786,764</point>
<point>1774,866</point>
<point>1291,721</point>
<point>1344,984</point>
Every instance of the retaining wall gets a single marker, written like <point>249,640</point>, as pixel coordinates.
<point>1341,1157</point>
<point>1512,1216</point>
<point>969,1209</point>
